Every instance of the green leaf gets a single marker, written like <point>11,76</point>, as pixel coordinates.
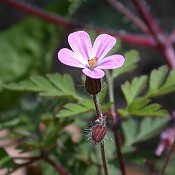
<point>157,77</point>
<point>132,57</point>
<point>143,107</point>
<point>161,82</point>
<point>10,123</point>
<point>75,4</point>
<point>139,131</point>
<point>5,160</point>
<point>129,129</point>
<point>133,89</point>
<point>169,84</point>
<point>53,85</point>
<point>64,83</point>
<point>74,109</point>
<point>52,131</point>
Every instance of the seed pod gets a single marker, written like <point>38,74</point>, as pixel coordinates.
<point>93,86</point>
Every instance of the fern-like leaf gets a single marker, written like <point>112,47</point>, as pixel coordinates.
<point>131,59</point>
<point>139,131</point>
<point>53,85</point>
<point>133,89</point>
<point>74,109</point>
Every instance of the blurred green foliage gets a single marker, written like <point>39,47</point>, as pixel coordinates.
<point>37,106</point>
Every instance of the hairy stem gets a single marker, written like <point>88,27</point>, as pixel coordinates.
<point>100,115</point>
<point>167,159</point>
<point>115,120</point>
<point>97,108</point>
<point>104,158</point>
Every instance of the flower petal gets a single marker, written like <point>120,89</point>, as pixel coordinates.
<point>80,43</point>
<point>111,62</point>
<point>96,73</point>
<point>102,45</point>
<point>69,58</point>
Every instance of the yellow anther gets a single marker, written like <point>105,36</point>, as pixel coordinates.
<point>92,62</point>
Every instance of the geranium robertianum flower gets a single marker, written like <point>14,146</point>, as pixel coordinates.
<point>91,58</point>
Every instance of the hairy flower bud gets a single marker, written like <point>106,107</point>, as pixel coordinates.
<point>98,133</point>
<point>93,86</point>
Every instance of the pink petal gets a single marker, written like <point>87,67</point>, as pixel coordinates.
<point>96,73</point>
<point>69,58</point>
<point>102,45</point>
<point>80,43</point>
<point>111,62</point>
<point>160,149</point>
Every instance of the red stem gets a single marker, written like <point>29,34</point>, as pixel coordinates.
<point>172,37</point>
<point>131,16</point>
<point>61,21</point>
<point>145,14</point>
<point>61,170</point>
<point>165,45</point>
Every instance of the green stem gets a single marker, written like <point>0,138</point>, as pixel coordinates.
<point>115,120</point>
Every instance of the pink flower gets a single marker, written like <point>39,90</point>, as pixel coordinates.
<point>90,58</point>
<point>167,139</point>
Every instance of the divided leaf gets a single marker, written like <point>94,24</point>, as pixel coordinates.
<point>133,89</point>
<point>53,85</point>
<point>73,109</point>
<point>131,59</point>
<point>139,131</point>
<point>157,77</point>
<point>143,107</point>
<point>161,82</point>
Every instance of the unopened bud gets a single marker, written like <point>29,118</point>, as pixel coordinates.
<point>93,86</point>
<point>167,139</point>
<point>98,133</point>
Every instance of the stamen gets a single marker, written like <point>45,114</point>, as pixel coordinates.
<point>92,62</point>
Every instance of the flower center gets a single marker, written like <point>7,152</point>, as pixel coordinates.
<point>92,62</point>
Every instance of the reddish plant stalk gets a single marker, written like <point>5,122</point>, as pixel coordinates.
<point>62,21</point>
<point>165,46</point>
<point>115,120</point>
<point>145,14</point>
<point>161,42</point>
<point>104,158</point>
<point>131,16</point>
<point>59,169</point>
<point>167,158</point>
<point>100,116</point>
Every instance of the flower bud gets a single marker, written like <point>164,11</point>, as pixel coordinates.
<point>98,133</point>
<point>167,139</point>
<point>93,86</point>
